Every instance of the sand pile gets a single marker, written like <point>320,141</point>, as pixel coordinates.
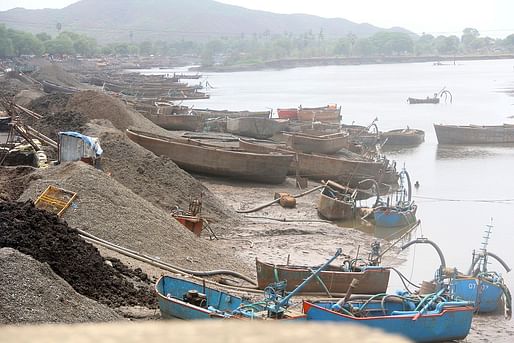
<point>14,180</point>
<point>54,73</point>
<point>48,239</point>
<point>50,103</point>
<point>96,105</point>
<point>157,179</point>
<point>111,211</point>
<point>30,292</point>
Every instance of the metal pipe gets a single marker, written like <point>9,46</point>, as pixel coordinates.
<point>496,257</point>
<point>427,241</point>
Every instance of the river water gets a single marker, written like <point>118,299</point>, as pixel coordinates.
<point>461,187</point>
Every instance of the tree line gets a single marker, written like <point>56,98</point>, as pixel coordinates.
<point>259,47</point>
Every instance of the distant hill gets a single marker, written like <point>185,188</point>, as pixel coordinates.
<point>139,20</point>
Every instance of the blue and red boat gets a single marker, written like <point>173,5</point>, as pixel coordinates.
<point>426,320</point>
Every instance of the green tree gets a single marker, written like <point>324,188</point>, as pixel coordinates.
<point>25,43</point>
<point>447,45</point>
<point>43,36</point>
<point>469,36</point>
<point>424,45</point>
<point>6,46</point>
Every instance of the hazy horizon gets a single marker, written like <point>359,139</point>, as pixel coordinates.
<point>437,17</point>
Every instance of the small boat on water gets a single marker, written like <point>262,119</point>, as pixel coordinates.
<point>427,100</point>
<point>322,167</point>
<point>255,127</point>
<point>179,298</point>
<point>324,144</point>
<point>403,137</point>
<point>419,319</point>
<point>204,158</point>
<point>400,213</point>
<point>474,134</point>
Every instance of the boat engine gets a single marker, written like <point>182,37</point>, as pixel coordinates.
<point>196,298</point>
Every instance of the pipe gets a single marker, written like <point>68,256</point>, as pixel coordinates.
<point>427,241</point>
<point>160,264</point>
<point>277,200</point>
<point>496,257</point>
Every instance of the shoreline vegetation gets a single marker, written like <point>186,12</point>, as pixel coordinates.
<point>289,63</point>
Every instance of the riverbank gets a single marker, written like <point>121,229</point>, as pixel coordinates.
<point>332,61</point>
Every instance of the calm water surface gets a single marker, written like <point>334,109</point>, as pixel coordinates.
<point>461,188</point>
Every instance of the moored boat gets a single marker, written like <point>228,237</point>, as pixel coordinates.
<point>328,114</point>
<point>287,113</point>
<point>325,144</point>
<point>427,100</point>
<point>203,158</point>
<point>430,321</point>
<point>322,167</point>
<point>474,134</point>
<point>403,137</point>
<point>336,204</point>
<point>254,127</point>
<point>50,87</point>
<point>188,122</point>
<point>208,113</point>
<point>333,279</point>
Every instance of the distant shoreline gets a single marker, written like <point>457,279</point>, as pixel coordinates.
<point>332,61</point>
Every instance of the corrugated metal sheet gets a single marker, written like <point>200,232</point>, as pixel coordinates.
<point>73,149</point>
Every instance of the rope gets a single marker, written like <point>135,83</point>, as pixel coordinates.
<point>464,200</point>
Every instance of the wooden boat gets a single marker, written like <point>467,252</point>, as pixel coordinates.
<point>429,321</point>
<point>427,100</point>
<point>287,113</point>
<point>50,87</point>
<point>325,144</point>
<point>403,137</point>
<point>336,204</point>
<point>184,299</point>
<point>322,167</point>
<point>329,114</point>
<point>208,159</point>
<point>187,76</point>
<point>207,113</point>
<point>254,127</point>
<point>372,280</point>
<point>187,122</point>
<point>474,134</point>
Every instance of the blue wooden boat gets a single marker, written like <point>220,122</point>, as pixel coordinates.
<point>183,299</point>
<point>484,291</point>
<point>400,211</point>
<point>179,298</point>
<point>420,321</point>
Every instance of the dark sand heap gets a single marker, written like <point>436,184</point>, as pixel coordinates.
<point>14,180</point>
<point>113,212</point>
<point>50,240</point>
<point>30,292</point>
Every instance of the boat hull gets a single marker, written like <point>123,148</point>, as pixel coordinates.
<point>254,127</point>
<point>390,217</point>
<point>486,295</point>
<point>204,159</point>
<point>403,137</point>
<point>451,323</point>
<point>334,209</point>
<point>177,122</point>
<point>453,134</point>
<point>427,100</point>
<point>371,281</point>
<point>327,144</point>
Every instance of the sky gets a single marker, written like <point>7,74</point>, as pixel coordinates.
<point>493,18</point>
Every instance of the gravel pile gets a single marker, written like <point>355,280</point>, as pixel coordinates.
<point>111,211</point>
<point>30,292</point>
<point>157,179</point>
<point>48,239</point>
